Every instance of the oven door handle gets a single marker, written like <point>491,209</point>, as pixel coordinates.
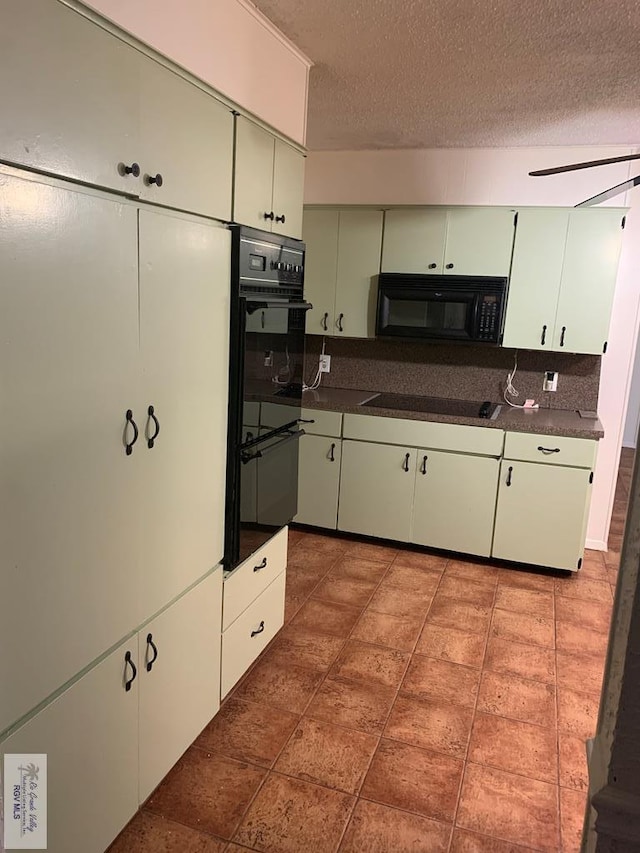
<point>249,457</point>
<point>253,306</point>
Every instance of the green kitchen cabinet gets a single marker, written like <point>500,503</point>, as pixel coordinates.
<point>342,263</point>
<point>542,513</point>
<point>319,480</point>
<point>474,241</point>
<point>376,489</point>
<point>269,181</point>
<point>454,501</point>
<point>565,263</point>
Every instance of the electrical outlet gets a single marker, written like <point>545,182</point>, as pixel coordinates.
<point>550,382</point>
<point>325,364</point>
<point>268,358</point>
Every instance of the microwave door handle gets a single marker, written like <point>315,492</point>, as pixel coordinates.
<point>476,308</point>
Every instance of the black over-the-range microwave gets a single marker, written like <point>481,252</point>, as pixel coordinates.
<point>441,307</point>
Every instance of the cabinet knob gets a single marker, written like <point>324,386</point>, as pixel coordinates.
<point>133,169</point>
<point>128,662</point>
<point>432,266</point>
<point>332,453</point>
<point>261,565</point>
<point>269,215</point>
<point>154,649</point>
<point>324,321</point>
<point>543,337</point>
<point>564,329</point>
<point>449,266</point>
<point>280,218</point>
<point>154,179</point>
<point>509,475</point>
<point>339,323</point>
<point>405,464</point>
<point>259,629</point>
<point>423,467</point>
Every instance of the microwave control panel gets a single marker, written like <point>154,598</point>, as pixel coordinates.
<point>489,317</point>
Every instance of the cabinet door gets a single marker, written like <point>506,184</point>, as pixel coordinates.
<point>180,693</point>
<point>320,234</point>
<point>319,481</point>
<point>187,138</point>
<point>69,95</point>
<point>479,241</point>
<point>69,494</point>
<point>90,737</point>
<point>253,183</point>
<point>288,189</point>
<point>588,280</point>
<point>359,243</point>
<point>414,240</point>
<point>184,341</point>
<point>541,512</point>
<point>534,285</point>
<point>376,489</point>
<point>455,500</point>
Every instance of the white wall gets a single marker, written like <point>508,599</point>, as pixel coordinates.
<point>500,176</point>
<point>632,421</point>
<point>229,45</point>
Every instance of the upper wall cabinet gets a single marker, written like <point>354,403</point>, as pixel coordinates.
<point>112,117</point>
<point>449,241</point>
<point>72,92</point>
<point>342,262</point>
<point>186,144</point>
<point>565,264</point>
<point>269,181</point>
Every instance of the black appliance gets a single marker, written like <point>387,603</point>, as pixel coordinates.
<point>433,405</point>
<point>441,307</point>
<point>265,388</point>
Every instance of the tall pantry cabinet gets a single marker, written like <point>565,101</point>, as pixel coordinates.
<point>114,317</point>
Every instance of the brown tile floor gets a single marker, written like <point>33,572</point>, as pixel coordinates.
<point>412,702</point>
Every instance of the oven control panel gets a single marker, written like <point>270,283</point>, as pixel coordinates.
<point>488,317</point>
<point>271,263</point>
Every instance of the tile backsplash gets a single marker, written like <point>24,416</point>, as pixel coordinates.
<point>456,371</point>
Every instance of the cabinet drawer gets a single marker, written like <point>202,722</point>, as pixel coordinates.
<point>551,449</point>
<point>253,576</point>
<point>251,632</point>
<point>324,423</point>
<point>482,441</point>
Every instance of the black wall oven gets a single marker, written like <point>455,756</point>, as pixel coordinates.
<point>265,388</point>
<point>441,307</point>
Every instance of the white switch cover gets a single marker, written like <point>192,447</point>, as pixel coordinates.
<point>325,364</point>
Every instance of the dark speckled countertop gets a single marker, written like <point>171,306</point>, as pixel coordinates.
<point>544,421</point>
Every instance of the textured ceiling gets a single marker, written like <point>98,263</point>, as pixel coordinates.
<point>467,73</point>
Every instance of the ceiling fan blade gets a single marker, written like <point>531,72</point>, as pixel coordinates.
<point>587,165</point>
<point>610,193</point>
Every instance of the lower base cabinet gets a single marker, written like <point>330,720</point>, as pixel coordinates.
<point>108,746</point>
<point>542,514</point>
<point>376,489</point>
<point>319,481</point>
<point>252,608</point>
<point>455,502</point>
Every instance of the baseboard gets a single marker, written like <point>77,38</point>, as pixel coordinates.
<point>596,545</point>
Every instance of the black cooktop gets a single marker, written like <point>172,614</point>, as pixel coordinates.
<point>433,405</point>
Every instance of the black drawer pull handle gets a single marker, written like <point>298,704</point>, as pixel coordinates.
<point>449,266</point>
<point>152,440</point>
<point>269,215</point>
<point>134,671</point>
<point>509,476</point>
<point>155,652</point>
<point>423,467</point>
<point>564,329</point>
<point>332,453</point>
<point>281,218</point>
<point>258,630</point>
<point>549,449</point>
<point>262,565</point>
<point>324,321</point>
<point>133,170</point>
<point>339,324</point>
<point>154,179</point>
<point>544,335</point>
<point>405,464</point>
<point>432,266</point>
<point>129,446</point>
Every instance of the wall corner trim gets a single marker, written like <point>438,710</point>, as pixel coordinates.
<point>271,27</point>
